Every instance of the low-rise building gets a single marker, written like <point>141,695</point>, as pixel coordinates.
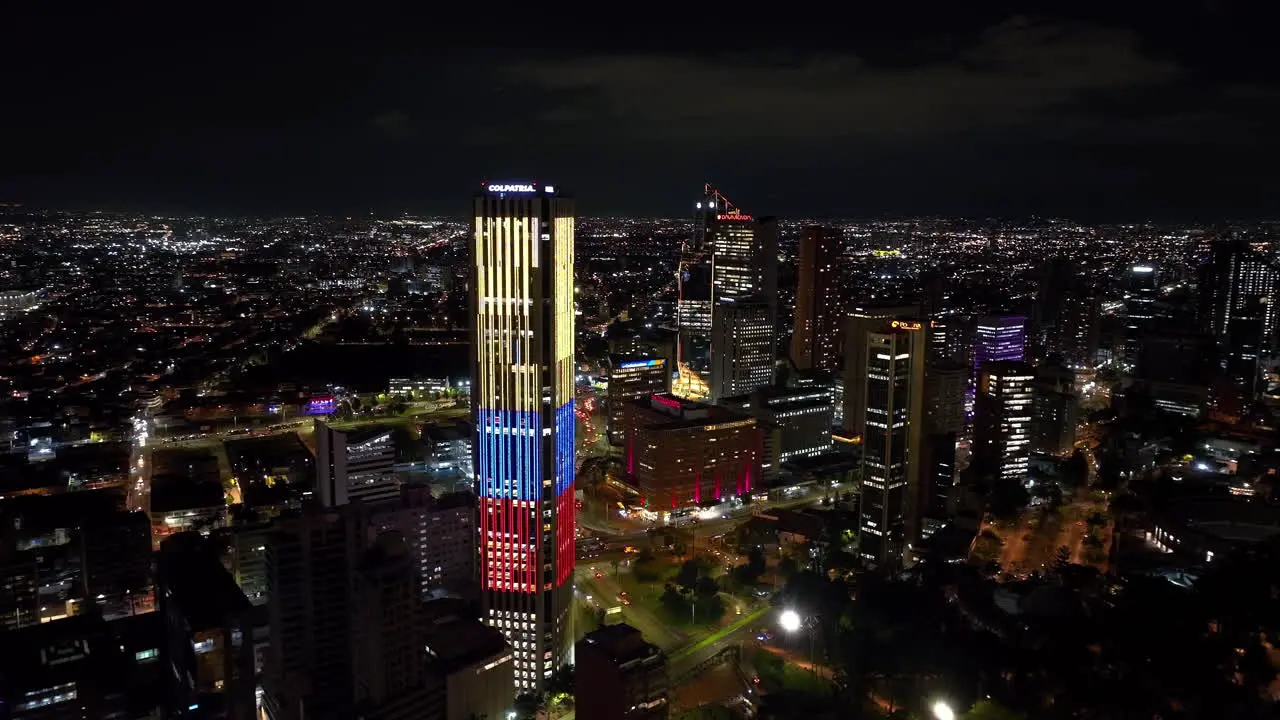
<point>681,452</point>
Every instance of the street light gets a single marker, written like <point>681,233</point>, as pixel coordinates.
<point>943,711</point>
<point>789,620</point>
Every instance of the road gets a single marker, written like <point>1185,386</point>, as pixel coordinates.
<point>604,592</point>
<point>697,532</point>
<point>1031,545</point>
<point>138,496</point>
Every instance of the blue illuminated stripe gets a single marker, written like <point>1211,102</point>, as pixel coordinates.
<point>509,462</point>
<point>564,432</point>
<point>510,454</point>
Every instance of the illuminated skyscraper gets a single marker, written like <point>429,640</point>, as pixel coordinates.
<point>1002,421</point>
<point>743,356</point>
<point>999,337</point>
<point>693,307</point>
<point>818,310</point>
<point>522,399</point>
<point>893,392</point>
<point>857,323</point>
<point>744,256</point>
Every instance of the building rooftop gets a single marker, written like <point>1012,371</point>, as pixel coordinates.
<point>668,412</point>
<point>197,582</point>
<point>621,642</point>
<point>456,643</point>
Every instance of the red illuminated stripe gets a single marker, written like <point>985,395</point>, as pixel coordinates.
<point>566,532</point>
<point>514,572</point>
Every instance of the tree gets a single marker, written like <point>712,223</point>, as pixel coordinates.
<point>1062,557</point>
<point>687,577</point>
<point>672,601</point>
<point>645,567</point>
<point>749,573</point>
<point>527,706</point>
<point>561,681</point>
<point>706,587</point>
<point>1008,497</point>
<point>788,567</point>
<point>1075,471</point>
<point>840,560</point>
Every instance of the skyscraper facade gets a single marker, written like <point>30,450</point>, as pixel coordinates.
<point>742,337</point>
<point>891,451</point>
<point>857,323</point>
<point>1235,282</point>
<point>522,403</point>
<point>744,256</point>
<point>999,337</point>
<point>818,309</point>
<point>1002,420</point>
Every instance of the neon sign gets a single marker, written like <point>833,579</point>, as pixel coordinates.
<point>733,216</point>
<point>905,325</point>
<point>666,401</point>
<point>513,188</point>
<point>322,405</point>
<point>642,363</point>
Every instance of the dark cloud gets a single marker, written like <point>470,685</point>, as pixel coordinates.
<point>394,124</point>
<point>1019,73</point>
<point>887,109</point>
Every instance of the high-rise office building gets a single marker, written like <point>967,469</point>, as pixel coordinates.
<point>355,466</point>
<point>208,628</point>
<point>891,446</point>
<point>945,385</point>
<point>814,338</point>
<point>742,341</point>
<point>857,323</point>
<point>694,304</point>
<point>19,590</point>
<point>522,388</point>
<point>1234,282</point>
<point>744,256</point>
<point>999,337</point>
<point>795,422</point>
<point>440,533</point>
<point>630,378</point>
<point>951,339</point>
<point>1002,420</point>
<point>308,669</point>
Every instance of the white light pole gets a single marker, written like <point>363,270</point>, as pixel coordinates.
<point>789,620</point>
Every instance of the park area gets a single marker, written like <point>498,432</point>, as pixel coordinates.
<point>678,602</point>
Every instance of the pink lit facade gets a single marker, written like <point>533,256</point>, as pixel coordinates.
<point>682,453</point>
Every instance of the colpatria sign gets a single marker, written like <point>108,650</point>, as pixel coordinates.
<point>513,188</point>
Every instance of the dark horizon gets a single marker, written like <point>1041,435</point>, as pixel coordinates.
<point>1097,115</point>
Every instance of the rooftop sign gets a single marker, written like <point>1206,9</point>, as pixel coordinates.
<point>733,216</point>
<point>512,188</point>
<point>905,325</point>
<point>642,363</point>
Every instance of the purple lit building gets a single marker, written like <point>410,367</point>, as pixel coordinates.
<point>999,337</point>
<point>996,338</point>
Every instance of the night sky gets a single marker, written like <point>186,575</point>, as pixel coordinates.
<point>1168,111</point>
